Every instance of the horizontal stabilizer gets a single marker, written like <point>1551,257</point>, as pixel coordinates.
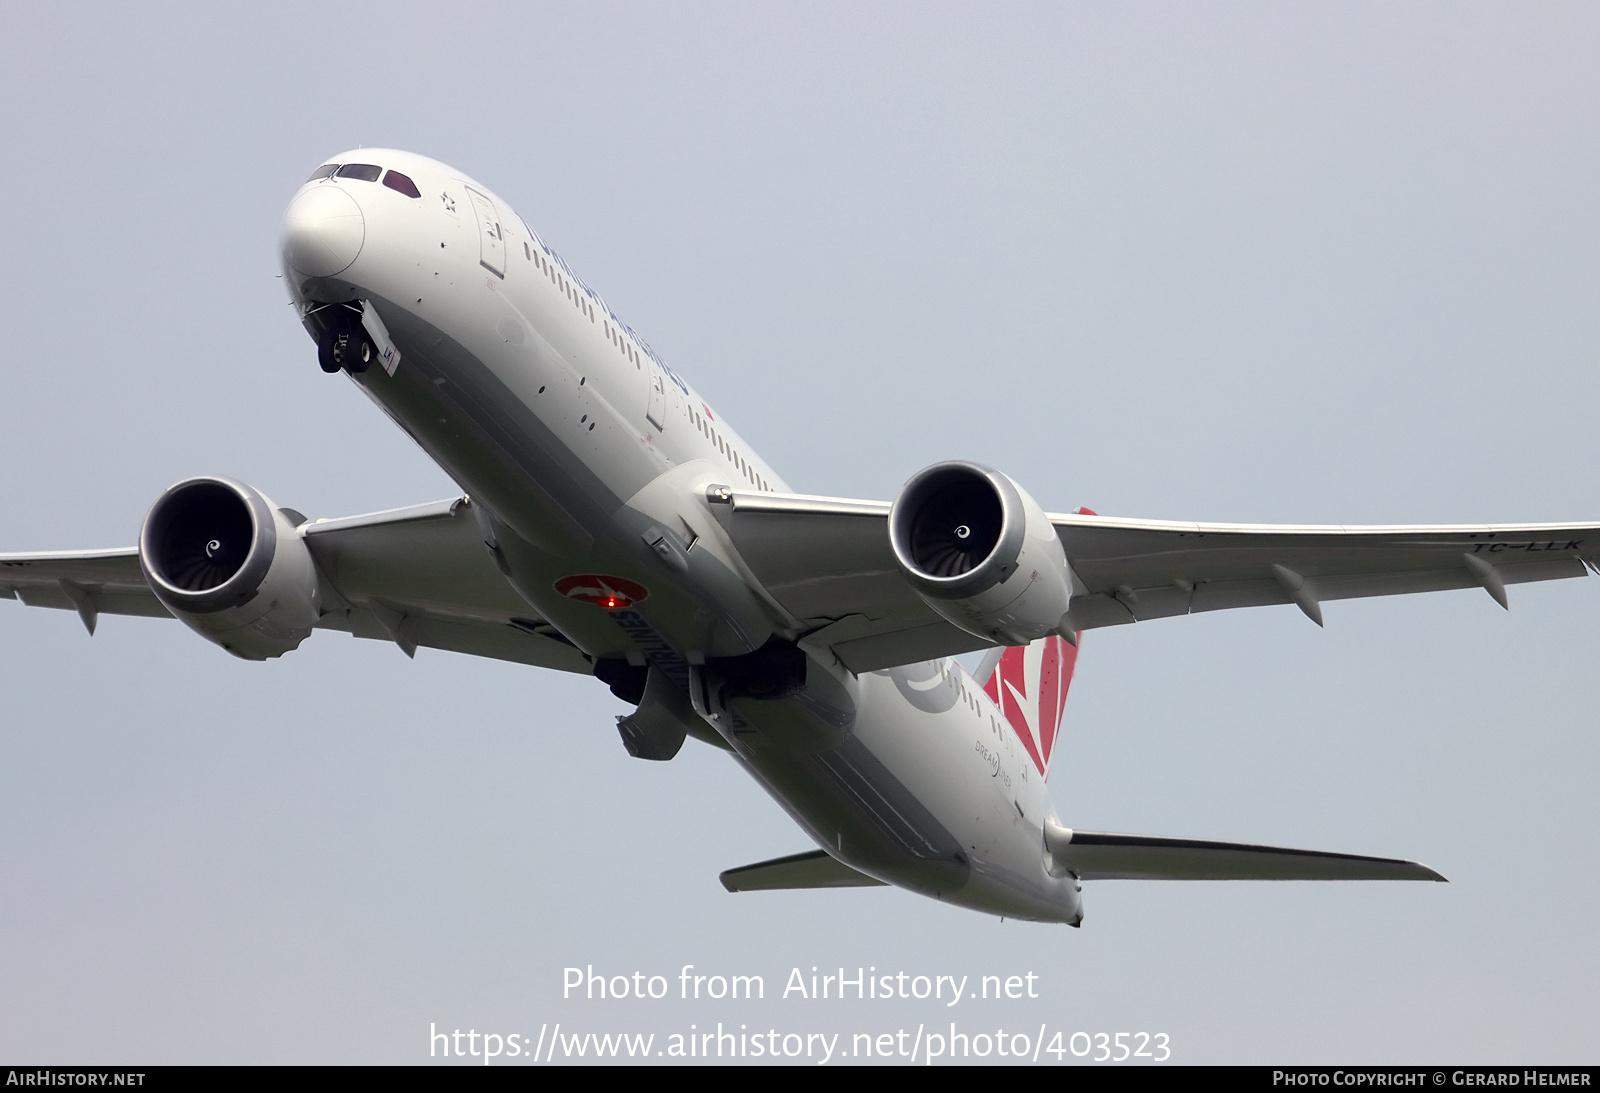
<point>1105,855</point>
<point>814,869</point>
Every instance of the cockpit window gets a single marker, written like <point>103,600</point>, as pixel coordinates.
<point>323,172</point>
<point>399,182</point>
<point>366,172</point>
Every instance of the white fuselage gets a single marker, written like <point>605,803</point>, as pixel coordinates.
<point>583,447</point>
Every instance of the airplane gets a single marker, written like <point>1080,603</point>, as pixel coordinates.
<point>611,524</point>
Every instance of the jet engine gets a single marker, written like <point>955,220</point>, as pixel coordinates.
<point>226,561</point>
<point>981,553</point>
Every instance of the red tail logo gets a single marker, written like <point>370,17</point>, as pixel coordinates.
<point>1030,687</point>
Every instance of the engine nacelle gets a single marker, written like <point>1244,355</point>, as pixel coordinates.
<point>981,553</point>
<point>226,561</point>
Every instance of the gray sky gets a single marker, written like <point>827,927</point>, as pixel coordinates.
<point>1321,263</point>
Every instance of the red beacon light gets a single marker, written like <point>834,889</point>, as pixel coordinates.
<point>602,590</point>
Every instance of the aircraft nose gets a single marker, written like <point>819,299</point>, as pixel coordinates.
<point>323,231</point>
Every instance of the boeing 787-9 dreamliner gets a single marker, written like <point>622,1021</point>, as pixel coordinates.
<point>611,524</point>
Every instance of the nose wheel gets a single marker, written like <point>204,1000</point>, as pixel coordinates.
<point>343,344</point>
<point>345,349</point>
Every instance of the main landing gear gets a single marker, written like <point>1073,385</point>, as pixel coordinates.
<point>342,341</point>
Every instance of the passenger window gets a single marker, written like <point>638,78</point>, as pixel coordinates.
<point>399,183</point>
<point>364,172</point>
<point>323,172</point>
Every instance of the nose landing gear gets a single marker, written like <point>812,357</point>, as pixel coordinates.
<point>342,342</point>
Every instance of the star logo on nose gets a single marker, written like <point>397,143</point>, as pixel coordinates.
<point>449,203</point>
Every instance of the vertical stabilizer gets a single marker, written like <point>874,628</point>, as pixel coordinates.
<point>1029,683</point>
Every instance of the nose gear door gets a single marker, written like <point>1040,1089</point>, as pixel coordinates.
<point>491,239</point>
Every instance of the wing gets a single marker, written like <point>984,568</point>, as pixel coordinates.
<point>828,563</point>
<point>87,581</point>
<point>1135,570</point>
<point>417,576</point>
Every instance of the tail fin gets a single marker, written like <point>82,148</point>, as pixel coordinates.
<point>1029,683</point>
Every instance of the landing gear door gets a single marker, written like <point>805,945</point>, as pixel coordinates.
<point>656,413</point>
<point>491,239</point>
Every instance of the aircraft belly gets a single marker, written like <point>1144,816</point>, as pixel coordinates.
<point>942,750</point>
<point>478,411</point>
<point>893,791</point>
<point>554,511</point>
